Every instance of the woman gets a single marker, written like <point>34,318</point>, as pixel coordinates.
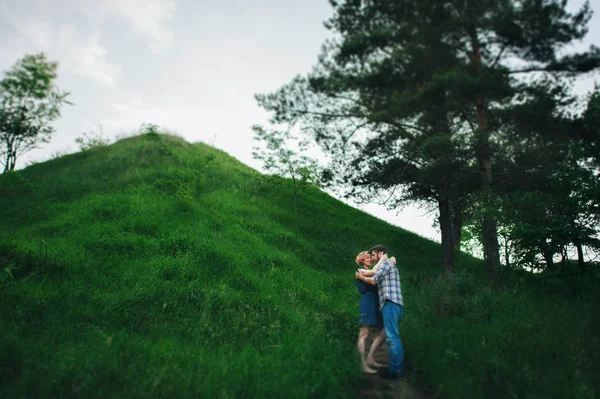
<point>369,316</point>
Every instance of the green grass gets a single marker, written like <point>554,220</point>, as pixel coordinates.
<point>156,268</point>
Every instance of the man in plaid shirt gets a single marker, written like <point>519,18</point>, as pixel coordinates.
<point>385,275</point>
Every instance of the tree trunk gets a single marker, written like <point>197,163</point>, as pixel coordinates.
<point>457,221</point>
<point>11,158</point>
<point>13,161</point>
<point>506,252</point>
<point>7,161</point>
<point>446,228</point>
<point>580,260</point>
<point>483,154</point>
<point>490,230</point>
<point>549,258</point>
<point>491,248</point>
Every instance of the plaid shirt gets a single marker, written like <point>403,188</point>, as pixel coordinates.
<point>388,281</point>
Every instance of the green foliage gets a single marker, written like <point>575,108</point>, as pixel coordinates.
<point>92,140</point>
<point>280,160</point>
<point>181,184</point>
<point>556,212</point>
<point>15,184</point>
<point>417,97</point>
<point>591,133</point>
<point>29,102</point>
<point>6,271</point>
<point>235,295</point>
<point>150,129</point>
<point>524,338</point>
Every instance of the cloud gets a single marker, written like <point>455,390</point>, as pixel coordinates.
<point>78,54</point>
<point>35,26</point>
<point>147,18</point>
<point>75,37</point>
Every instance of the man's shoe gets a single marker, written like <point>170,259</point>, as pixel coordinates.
<point>390,376</point>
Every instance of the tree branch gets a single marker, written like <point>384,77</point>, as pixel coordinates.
<point>356,128</point>
<point>529,70</point>
<point>498,56</point>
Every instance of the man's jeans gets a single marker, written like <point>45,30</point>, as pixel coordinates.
<point>392,313</point>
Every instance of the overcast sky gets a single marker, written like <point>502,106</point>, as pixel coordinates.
<point>191,66</point>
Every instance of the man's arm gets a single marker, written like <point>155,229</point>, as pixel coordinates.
<point>371,272</point>
<point>381,271</point>
<point>383,257</point>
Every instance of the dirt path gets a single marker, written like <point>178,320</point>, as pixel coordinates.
<point>375,387</point>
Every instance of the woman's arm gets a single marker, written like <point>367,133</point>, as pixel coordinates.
<point>366,272</point>
<point>367,280</point>
<point>370,280</point>
<point>383,257</point>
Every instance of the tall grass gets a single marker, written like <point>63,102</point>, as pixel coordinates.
<point>155,267</point>
<point>519,340</point>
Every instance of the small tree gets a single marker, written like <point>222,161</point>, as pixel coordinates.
<point>92,140</point>
<point>279,160</point>
<point>150,129</point>
<point>29,102</point>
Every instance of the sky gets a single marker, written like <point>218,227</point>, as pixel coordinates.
<point>190,66</point>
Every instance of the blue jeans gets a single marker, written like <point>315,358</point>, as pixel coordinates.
<point>392,313</point>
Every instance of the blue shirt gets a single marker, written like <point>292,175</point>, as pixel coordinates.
<point>388,281</point>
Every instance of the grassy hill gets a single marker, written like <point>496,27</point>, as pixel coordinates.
<point>157,268</point>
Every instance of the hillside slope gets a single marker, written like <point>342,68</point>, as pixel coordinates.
<point>155,267</point>
<point>159,266</point>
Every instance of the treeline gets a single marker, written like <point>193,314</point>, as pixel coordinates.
<point>465,104</point>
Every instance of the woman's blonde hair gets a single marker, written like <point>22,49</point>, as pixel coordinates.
<point>362,257</point>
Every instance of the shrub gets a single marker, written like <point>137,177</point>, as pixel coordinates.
<point>92,140</point>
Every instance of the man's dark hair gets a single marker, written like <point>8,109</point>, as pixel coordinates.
<point>378,248</point>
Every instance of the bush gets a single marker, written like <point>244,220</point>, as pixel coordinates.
<point>92,140</point>
<point>518,339</point>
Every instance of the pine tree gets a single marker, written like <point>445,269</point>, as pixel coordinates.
<point>426,81</point>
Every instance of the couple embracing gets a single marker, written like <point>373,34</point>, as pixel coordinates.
<point>381,306</point>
